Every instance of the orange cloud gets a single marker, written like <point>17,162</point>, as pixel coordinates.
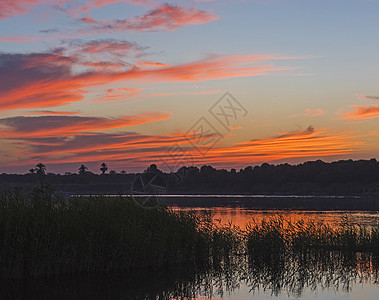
<point>129,147</point>
<point>298,144</point>
<point>301,144</point>
<point>40,80</point>
<point>308,143</point>
<point>213,67</point>
<point>66,144</point>
<point>309,112</point>
<point>151,63</point>
<point>362,113</point>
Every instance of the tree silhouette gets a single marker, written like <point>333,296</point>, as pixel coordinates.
<point>82,170</point>
<point>103,168</point>
<point>32,170</point>
<point>41,169</point>
<point>152,169</point>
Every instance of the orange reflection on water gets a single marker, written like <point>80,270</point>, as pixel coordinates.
<point>240,216</point>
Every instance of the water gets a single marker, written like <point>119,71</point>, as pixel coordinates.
<point>336,276</point>
<point>289,276</point>
<point>241,216</point>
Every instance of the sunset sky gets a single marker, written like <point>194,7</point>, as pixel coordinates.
<point>136,82</point>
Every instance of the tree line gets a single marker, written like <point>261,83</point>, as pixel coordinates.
<point>40,169</point>
<point>339,177</point>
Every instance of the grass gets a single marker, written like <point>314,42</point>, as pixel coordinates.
<point>41,234</point>
<point>289,256</point>
<point>275,234</point>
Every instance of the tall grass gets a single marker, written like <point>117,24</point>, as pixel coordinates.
<point>285,255</point>
<point>42,234</point>
<point>275,234</point>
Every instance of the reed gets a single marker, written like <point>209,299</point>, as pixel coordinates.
<point>41,234</point>
<point>275,234</point>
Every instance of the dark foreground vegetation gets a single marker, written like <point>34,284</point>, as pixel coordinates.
<point>42,234</point>
<point>277,236</point>
<point>115,248</point>
<point>344,177</point>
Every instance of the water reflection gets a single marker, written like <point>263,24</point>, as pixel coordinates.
<point>241,216</point>
<point>279,272</point>
<point>292,273</point>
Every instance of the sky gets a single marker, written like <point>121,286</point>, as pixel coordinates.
<point>192,82</point>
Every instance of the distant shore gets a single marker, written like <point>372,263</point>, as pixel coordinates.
<point>269,202</point>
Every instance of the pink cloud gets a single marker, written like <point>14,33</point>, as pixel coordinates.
<point>164,17</point>
<point>16,7</point>
<point>309,112</point>
<point>41,80</point>
<point>365,97</point>
<point>118,94</point>
<point>19,7</point>
<point>18,39</point>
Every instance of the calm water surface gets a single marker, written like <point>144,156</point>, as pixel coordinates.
<point>241,216</point>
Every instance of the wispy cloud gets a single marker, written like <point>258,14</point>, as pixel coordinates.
<point>309,112</point>
<point>137,151</point>
<point>75,8</point>
<point>362,113</point>
<point>118,94</point>
<point>365,97</point>
<point>52,113</point>
<point>19,39</point>
<point>306,144</point>
<point>10,8</point>
<point>16,7</point>
<point>164,17</point>
<point>63,75</point>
